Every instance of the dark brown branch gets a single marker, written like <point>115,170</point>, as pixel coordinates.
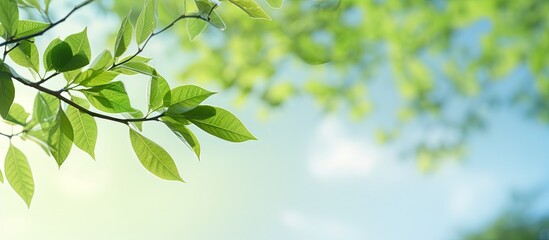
<point>52,25</point>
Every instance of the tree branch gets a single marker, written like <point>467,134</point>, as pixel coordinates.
<point>52,25</point>
<point>58,95</point>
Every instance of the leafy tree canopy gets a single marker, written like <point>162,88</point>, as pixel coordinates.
<point>65,117</point>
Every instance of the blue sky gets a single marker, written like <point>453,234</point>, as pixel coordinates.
<point>309,176</point>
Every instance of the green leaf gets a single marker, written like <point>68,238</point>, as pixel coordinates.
<point>103,61</point>
<point>146,22</point>
<point>45,108</point>
<point>27,28</point>
<point>153,157</point>
<point>124,37</point>
<point>187,97</point>
<point>17,115</point>
<point>7,93</point>
<point>48,65</point>
<point>92,78</point>
<point>79,44</point>
<point>62,59</point>
<point>275,3</point>
<point>251,8</point>
<point>1,177</point>
<point>134,67</point>
<point>60,138</point>
<point>9,16</point>
<point>26,55</point>
<point>205,9</point>
<point>183,133</point>
<point>19,174</point>
<point>85,130</point>
<point>219,122</point>
<point>110,97</point>
<point>195,27</point>
<point>30,3</point>
<point>159,93</point>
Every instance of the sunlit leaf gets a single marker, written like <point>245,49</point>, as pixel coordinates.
<point>9,16</point>
<point>103,61</point>
<point>159,93</point>
<point>60,138</point>
<point>146,22</point>
<point>220,123</point>
<point>185,98</point>
<point>183,133</point>
<point>45,108</point>
<point>195,27</point>
<point>7,93</point>
<point>251,8</point>
<point>275,3</point>
<point>17,115</point>
<point>123,38</point>
<point>28,27</point>
<point>85,130</point>
<point>110,97</point>
<point>19,174</point>
<point>153,157</point>
<point>26,55</point>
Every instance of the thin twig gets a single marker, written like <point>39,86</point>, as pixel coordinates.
<point>50,26</point>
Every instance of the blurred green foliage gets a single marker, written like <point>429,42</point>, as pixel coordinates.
<point>449,60</point>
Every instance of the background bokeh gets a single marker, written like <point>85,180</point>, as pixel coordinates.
<point>375,119</point>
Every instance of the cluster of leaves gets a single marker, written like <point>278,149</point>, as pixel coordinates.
<point>92,90</point>
<point>421,42</point>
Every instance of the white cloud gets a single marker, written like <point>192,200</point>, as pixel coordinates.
<point>311,227</point>
<point>333,154</point>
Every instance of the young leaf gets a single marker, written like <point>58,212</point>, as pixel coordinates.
<point>40,137</point>
<point>19,174</point>
<point>111,98</point>
<point>195,27</point>
<point>45,108</point>
<point>60,138</point>
<point>153,157</point>
<point>17,115</point>
<point>186,97</point>
<point>146,22</point>
<point>251,8</point>
<point>124,37</point>
<point>26,55</point>
<point>183,133</point>
<point>27,27</point>
<point>9,16</point>
<point>219,122</point>
<point>275,3</point>
<point>85,130</point>
<point>7,93</point>
<point>1,177</point>
<point>159,93</point>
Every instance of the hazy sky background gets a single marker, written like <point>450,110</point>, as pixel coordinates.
<point>309,176</point>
